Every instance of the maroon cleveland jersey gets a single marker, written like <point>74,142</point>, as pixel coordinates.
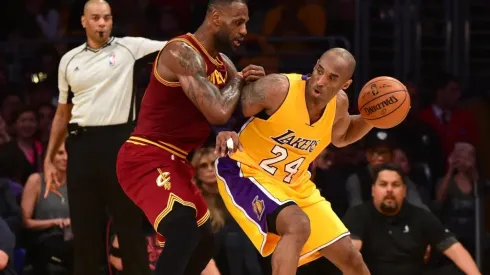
<point>167,115</point>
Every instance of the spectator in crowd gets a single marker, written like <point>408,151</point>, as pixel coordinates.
<point>379,149</point>
<point>46,16</point>
<point>41,92</point>
<point>236,254</point>
<point>7,245</point>
<point>451,123</point>
<point>9,209</point>
<point>4,135</point>
<point>456,194</point>
<point>25,151</point>
<point>45,113</point>
<point>393,235</point>
<point>330,168</point>
<point>419,137</point>
<point>414,172</point>
<point>11,104</point>
<point>480,108</point>
<point>48,220</point>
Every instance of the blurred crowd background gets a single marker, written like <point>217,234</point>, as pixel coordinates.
<point>443,145</point>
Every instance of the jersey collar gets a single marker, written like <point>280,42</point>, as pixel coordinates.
<point>107,44</point>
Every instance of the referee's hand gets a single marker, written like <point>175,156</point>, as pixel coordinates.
<point>50,178</point>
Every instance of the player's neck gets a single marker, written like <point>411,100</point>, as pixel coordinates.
<point>315,108</point>
<point>206,39</point>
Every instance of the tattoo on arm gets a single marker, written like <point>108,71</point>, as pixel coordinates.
<point>230,67</point>
<point>253,93</point>
<point>265,93</point>
<point>216,105</point>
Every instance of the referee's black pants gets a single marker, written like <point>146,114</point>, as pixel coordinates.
<point>93,189</point>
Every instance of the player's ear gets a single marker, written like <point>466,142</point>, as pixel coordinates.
<point>215,17</point>
<point>347,84</point>
<point>84,21</point>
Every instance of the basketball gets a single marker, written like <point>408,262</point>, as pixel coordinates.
<point>384,102</point>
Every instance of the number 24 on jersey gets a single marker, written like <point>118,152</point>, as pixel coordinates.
<point>291,168</point>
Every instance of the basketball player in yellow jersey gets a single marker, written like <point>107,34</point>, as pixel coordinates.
<point>266,184</point>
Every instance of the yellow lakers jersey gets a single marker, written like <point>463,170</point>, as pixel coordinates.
<point>285,144</point>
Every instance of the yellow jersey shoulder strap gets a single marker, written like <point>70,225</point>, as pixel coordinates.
<point>295,92</point>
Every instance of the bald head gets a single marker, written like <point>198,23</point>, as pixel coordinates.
<point>91,3</point>
<point>97,22</point>
<point>335,53</point>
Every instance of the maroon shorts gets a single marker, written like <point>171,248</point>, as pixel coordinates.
<point>155,176</point>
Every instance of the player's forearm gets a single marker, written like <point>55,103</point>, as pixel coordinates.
<point>58,134</point>
<point>358,128</point>
<point>461,258</point>
<point>229,97</point>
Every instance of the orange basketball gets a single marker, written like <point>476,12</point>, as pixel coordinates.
<point>384,102</point>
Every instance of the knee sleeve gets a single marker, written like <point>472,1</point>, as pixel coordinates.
<point>181,234</point>
<point>204,252</point>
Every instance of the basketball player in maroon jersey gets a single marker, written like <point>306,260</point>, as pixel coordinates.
<point>192,86</point>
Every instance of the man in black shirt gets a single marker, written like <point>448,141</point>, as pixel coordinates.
<point>7,245</point>
<point>393,235</point>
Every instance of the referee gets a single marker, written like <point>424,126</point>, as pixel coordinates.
<point>97,108</point>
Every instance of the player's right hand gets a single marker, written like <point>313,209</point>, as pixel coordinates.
<point>50,177</point>
<point>252,73</point>
<point>222,144</point>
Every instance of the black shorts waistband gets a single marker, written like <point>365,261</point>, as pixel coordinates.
<point>75,129</point>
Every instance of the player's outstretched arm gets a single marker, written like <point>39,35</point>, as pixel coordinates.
<point>180,62</point>
<point>347,128</point>
<point>267,93</point>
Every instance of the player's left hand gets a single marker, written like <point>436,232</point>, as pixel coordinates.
<point>225,140</point>
<point>253,72</point>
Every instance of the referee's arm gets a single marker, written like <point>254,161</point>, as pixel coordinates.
<point>140,47</point>
<point>59,126</point>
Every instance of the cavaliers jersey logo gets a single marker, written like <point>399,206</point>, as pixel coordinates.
<point>163,179</point>
<point>259,207</point>
<point>217,78</point>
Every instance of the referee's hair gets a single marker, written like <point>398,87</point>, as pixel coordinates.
<point>213,4</point>
<point>388,166</point>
